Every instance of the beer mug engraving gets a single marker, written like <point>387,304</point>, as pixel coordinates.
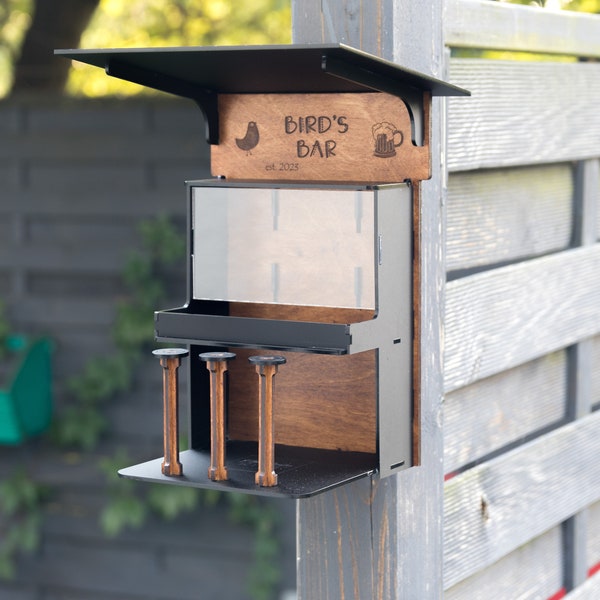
<point>387,139</point>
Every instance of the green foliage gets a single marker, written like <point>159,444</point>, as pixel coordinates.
<point>262,517</point>
<point>130,504</point>
<point>148,23</point>
<point>21,500</point>
<point>82,424</point>
<point>79,426</point>
<point>590,6</point>
<point>15,17</point>
<point>124,508</point>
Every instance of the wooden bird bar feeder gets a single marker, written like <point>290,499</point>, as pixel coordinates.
<point>302,250</point>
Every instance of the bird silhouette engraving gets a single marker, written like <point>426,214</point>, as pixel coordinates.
<point>250,140</point>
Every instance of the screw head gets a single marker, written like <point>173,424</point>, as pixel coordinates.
<point>267,360</point>
<point>170,352</point>
<point>216,356</point>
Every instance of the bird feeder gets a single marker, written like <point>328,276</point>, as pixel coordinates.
<point>300,320</point>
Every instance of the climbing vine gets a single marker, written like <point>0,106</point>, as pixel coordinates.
<point>21,503</point>
<point>82,423</point>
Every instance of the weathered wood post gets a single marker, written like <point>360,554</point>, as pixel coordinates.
<point>383,539</point>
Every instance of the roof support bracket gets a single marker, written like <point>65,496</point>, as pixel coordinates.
<point>206,100</point>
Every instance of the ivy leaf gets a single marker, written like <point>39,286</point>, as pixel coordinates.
<point>170,500</point>
<point>121,512</point>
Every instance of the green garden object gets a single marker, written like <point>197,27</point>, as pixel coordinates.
<point>25,389</point>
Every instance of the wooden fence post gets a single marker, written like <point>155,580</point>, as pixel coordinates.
<point>587,189</point>
<point>382,539</point>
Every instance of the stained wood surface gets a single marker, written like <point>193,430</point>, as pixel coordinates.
<point>499,410</point>
<point>320,401</point>
<point>532,571</point>
<point>522,113</point>
<point>506,214</point>
<point>483,24</point>
<point>496,507</point>
<point>311,137</point>
<point>502,318</point>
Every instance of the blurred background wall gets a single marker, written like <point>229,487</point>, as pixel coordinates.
<point>78,178</point>
<point>91,187</point>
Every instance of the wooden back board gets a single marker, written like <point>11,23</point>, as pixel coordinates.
<point>349,137</point>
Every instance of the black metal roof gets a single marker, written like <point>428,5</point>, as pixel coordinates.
<point>310,68</point>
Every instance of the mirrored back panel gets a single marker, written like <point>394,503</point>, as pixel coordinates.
<point>311,247</point>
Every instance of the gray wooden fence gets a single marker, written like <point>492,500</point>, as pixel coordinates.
<point>512,286</point>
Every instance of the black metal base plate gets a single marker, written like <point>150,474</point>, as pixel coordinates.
<point>301,472</point>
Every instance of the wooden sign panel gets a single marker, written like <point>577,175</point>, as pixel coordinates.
<point>351,137</point>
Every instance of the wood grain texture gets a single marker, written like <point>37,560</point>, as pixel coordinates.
<point>522,113</point>
<point>408,524</point>
<point>494,508</point>
<point>361,137</point>
<point>499,410</point>
<point>507,214</point>
<point>335,533</point>
<point>320,401</point>
<point>581,367</point>
<point>532,571</point>
<point>483,24</point>
<point>354,22</point>
<point>502,318</point>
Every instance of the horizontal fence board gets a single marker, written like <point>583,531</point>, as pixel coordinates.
<point>496,411</point>
<point>506,214</point>
<point>494,25</point>
<point>110,174</point>
<point>162,578</point>
<point>79,230</point>
<point>522,113</point>
<point>593,536</point>
<point>590,590</point>
<point>494,508</point>
<point>532,571</point>
<point>504,317</point>
<point>118,146</point>
<point>99,115</point>
<point>54,313</point>
<point>102,257</point>
<point>97,201</point>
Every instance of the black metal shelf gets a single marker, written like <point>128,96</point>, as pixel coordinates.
<point>301,472</point>
<point>182,325</point>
